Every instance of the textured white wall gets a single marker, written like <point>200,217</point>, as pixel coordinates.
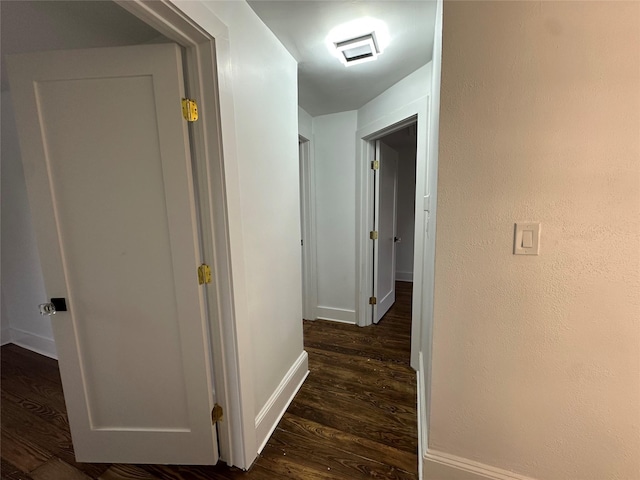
<point>335,168</point>
<point>406,213</point>
<point>535,361</point>
<point>22,283</point>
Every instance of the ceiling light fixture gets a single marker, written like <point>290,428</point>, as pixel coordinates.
<point>358,41</point>
<point>358,50</point>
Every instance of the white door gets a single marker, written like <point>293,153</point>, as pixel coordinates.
<point>108,169</point>
<point>302,245</point>
<point>385,220</point>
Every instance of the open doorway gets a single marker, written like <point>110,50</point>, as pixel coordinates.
<point>416,114</point>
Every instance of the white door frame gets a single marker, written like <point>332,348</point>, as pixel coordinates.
<point>308,218</point>
<point>209,83</point>
<point>365,151</point>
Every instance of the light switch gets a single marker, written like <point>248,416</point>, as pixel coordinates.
<point>526,240</point>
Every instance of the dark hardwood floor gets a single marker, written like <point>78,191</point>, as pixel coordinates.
<point>354,417</point>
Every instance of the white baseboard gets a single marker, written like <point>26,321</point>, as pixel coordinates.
<point>269,416</point>
<point>42,345</point>
<point>443,466</point>
<point>404,276</point>
<point>336,314</point>
<point>435,465</point>
<point>423,423</point>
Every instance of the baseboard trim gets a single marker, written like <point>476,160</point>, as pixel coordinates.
<point>35,343</point>
<point>336,314</point>
<point>423,427</point>
<point>443,466</point>
<point>269,416</point>
<point>404,276</point>
<point>420,425</point>
<point>436,465</point>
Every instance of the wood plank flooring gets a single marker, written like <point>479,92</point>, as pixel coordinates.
<point>354,417</point>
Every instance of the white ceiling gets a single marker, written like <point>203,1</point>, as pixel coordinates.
<point>325,85</point>
<point>31,26</point>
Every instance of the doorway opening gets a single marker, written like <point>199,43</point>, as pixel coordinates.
<point>414,114</point>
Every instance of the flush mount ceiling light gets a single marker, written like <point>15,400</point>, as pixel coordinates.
<point>358,50</point>
<point>358,41</point>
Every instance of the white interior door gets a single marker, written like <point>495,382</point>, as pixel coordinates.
<point>108,170</point>
<point>385,249</point>
<point>302,245</point>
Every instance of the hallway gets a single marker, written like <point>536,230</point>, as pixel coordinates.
<point>354,417</point>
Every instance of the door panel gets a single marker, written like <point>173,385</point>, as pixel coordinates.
<point>386,192</point>
<point>108,171</point>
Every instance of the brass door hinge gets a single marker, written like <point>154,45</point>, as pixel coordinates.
<point>373,235</point>
<point>204,274</point>
<point>373,300</point>
<point>375,165</point>
<point>216,414</point>
<point>189,110</point>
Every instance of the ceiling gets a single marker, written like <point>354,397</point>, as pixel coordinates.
<point>324,84</point>
<point>31,26</point>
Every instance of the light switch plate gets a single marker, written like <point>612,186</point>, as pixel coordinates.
<point>526,240</point>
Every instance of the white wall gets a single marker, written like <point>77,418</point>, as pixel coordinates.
<point>5,334</point>
<point>406,91</point>
<point>22,283</point>
<point>305,124</point>
<point>405,213</point>
<point>335,179</point>
<point>535,360</point>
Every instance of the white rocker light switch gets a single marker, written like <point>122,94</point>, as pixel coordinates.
<point>526,239</point>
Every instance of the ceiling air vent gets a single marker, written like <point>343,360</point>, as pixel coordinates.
<point>358,50</point>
